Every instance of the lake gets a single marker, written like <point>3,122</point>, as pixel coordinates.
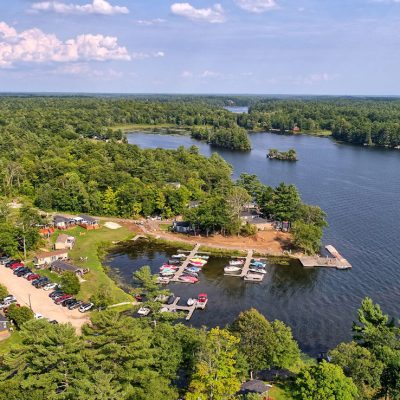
<point>358,187</point>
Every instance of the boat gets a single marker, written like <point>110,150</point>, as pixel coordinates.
<point>258,264</point>
<point>174,262</point>
<point>258,270</point>
<point>203,257</point>
<point>163,280</point>
<point>188,279</point>
<point>198,261</point>
<point>202,300</point>
<point>167,273</point>
<point>194,269</point>
<point>168,266</point>
<point>196,264</point>
<point>232,268</point>
<point>236,262</point>
<point>191,301</point>
<point>195,274</point>
<point>143,311</point>
<point>180,255</point>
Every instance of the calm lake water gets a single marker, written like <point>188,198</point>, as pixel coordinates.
<point>359,188</point>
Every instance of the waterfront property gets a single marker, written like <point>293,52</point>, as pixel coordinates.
<point>335,261</point>
<point>47,257</point>
<point>60,267</point>
<point>87,222</point>
<point>62,223</point>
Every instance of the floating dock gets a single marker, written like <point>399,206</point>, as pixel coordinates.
<point>247,275</point>
<point>184,265</point>
<point>335,261</point>
<point>189,309</point>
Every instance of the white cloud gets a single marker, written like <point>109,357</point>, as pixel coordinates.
<point>210,74</point>
<point>96,7</point>
<point>186,74</point>
<point>150,22</point>
<point>256,6</point>
<point>213,15</point>
<point>35,46</point>
<point>143,55</point>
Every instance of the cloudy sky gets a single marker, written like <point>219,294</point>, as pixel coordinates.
<point>201,46</point>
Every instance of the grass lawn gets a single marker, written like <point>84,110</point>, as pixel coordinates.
<point>279,392</point>
<point>164,227</point>
<point>13,341</point>
<point>87,245</point>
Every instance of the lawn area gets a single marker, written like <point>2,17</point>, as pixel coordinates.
<point>87,245</point>
<point>279,392</point>
<point>13,341</point>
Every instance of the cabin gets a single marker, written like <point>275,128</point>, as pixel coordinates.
<point>47,257</point>
<point>87,222</point>
<point>181,227</point>
<point>62,223</point>
<point>255,386</point>
<point>64,242</point>
<point>3,325</point>
<point>61,267</point>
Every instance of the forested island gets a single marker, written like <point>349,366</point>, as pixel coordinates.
<point>290,155</point>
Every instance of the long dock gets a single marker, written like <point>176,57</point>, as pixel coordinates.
<point>189,309</point>
<point>247,275</point>
<point>246,265</point>
<point>184,265</point>
<point>335,261</point>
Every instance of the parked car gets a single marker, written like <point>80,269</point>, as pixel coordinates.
<point>15,271</point>
<point>38,316</point>
<point>75,305</point>
<point>8,298</point>
<point>11,262</point>
<point>16,265</point>
<point>68,302</point>
<point>50,286</point>
<point>63,298</point>
<point>41,283</point>
<point>53,321</point>
<point>57,292</point>
<point>33,277</point>
<point>23,272</point>
<point>5,304</point>
<point>85,307</point>
<point>58,295</point>
<point>28,274</point>
<point>4,260</point>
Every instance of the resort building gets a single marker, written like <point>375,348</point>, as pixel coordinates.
<point>60,267</point>
<point>64,242</point>
<point>87,222</point>
<point>47,257</point>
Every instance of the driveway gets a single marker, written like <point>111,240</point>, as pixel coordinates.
<point>39,300</point>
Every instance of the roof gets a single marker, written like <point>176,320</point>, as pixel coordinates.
<point>254,386</point>
<point>60,218</point>
<point>64,266</point>
<point>88,218</point>
<point>62,238</point>
<point>182,223</point>
<point>259,220</point>
<point>45,254</point>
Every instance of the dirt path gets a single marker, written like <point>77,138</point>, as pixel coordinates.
<point>39,299</point>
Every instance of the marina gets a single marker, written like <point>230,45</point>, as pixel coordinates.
<point>335,261</point>
<point>197,305</point>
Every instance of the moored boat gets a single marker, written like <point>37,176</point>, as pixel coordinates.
<point>191,273</point>
<point>191,301</point>
<point>258,270</point>
<point>202,300</point>
<point>232,268</point>
<point>180,255</point>
<point>236,262</point>
<point>188,279</point>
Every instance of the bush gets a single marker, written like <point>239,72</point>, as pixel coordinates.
<point>70,283</point>
<point>19,315</point>
<point>3,292</point>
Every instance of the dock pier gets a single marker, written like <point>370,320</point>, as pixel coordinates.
<point>184,265</point>
<point>335,261</point>
<point>190,309</point>
<point>247,275</point>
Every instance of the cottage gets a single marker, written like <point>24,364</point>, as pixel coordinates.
<point>64,242</point>
<point>181,227</point>
<point>88,222</point>
<point>60,267</point>
<point>255,218</point>
<point>47,257</point>
<point>61,222</point>
<point>254,386</point>
<point>3,324</point>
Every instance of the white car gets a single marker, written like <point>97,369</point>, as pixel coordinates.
<point>38,316</point>
<point>85,307</point>
<point>9,298</point>
<point>50,286</point>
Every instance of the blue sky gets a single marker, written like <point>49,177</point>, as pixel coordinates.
<point>225,46</point>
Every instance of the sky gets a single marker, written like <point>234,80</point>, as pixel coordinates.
<point>324,47</point>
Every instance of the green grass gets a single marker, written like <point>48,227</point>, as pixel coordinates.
<point>280,392</point>
<point>87,245</point>
<point>14,340</point>
<point>164,227</point>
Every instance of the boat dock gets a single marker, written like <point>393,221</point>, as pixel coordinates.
<point>189,309</point>
<point>335,261</point>
<point>247,275</point>
<point>184,265</point>
<point>246,265</point>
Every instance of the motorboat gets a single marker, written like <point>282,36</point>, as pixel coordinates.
<point>191,301</point>
<point>198,260</point>
<point>236,262</point>
<point>203,257</point>
<point>169,266</point>
<point>195,274</point>
<point>193,269</point>
<point>174,262</point>
<point>259,264</point>
<point>163,280</point>
<point>180,255</point>
<point>258,270</point>
<point>232,268</point>
<point>188,279</point>
<point>202,300</point>
<point>167,272</point>
<point>143,311</point>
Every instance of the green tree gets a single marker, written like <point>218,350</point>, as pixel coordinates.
<point>110,202</point>
<point>28,218</point>
<point>216,376</point>
<point>70,283</point>
<point>307,237</point>
<point>3,292</point>
<point>102,297</point>
<point>359,364</point>
<point>312,215</point>
<point>19,315</point>
<point>324,382</point>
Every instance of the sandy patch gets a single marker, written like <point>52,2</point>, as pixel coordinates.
<point>112,225</point>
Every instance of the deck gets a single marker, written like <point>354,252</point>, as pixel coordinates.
<point>335,261</point>
<point>247,275</point>
<point>189,309</point>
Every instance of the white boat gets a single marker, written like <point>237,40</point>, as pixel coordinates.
<point>202,256</point>
<point>236,262</point>
<point>190,302</point>
<point>163,280</point>
<point>258,270</point>
<point>143,311</point>
<point>167,273</point>
<point>232,268</point>
<point>180,255</point>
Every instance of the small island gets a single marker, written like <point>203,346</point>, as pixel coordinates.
<point>289,155</point>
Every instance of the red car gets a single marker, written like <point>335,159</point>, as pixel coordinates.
<point>63,298</point>
<point>33,277</point>
<point>16,265</point>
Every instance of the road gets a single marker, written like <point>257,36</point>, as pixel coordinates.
<point>39,299</point>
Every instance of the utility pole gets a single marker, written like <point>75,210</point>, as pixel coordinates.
<point>30,304</point>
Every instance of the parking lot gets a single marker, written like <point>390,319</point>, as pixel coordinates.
<point>39,300</point>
